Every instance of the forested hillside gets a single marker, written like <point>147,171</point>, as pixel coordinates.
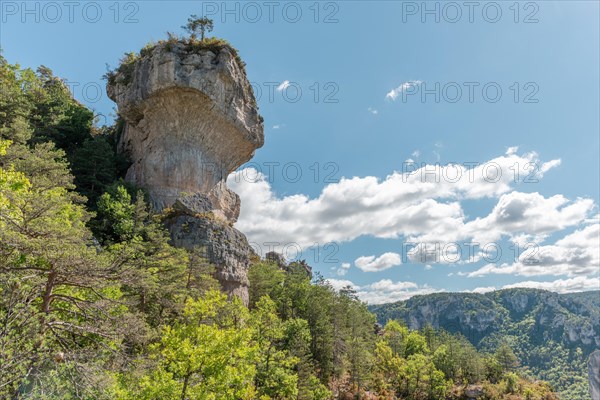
<point>552,334</point>
<point>95,302</point>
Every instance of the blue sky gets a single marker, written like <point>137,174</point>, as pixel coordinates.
<point>362,67</point>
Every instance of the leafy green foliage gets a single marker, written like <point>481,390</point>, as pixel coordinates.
<point>207,354</point>
<point>197,25</point>
<point>94,165</point>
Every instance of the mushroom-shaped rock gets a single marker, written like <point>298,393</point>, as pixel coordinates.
<point>190,118</point>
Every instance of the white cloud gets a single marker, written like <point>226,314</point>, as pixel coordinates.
<point>388,291</point>
<point>512,150</point>
<point>383,291</point>
<point>283,85</point>
<point>388,285</point>
<point>518,213</point>
<point>525,218</point>
<point>394,93</point>
<point>382,296</point>
<point>550,164</point>
<point>373,111</point>
<point>578,284</point>
<point>339,284</point>
<point>381,263</point>
<point>575,255</point>
<point>416,154</point>
<point>343,269</point>
<point>276,126</point>
<point>422,204</point>
<point>482,290</point>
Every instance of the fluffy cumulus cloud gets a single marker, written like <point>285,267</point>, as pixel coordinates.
<point>383,291</point>
<point>388,291</point>
<point>483,289</point>
<point>578,284</point>
<point>531,213</point>
<point>575,255</point>
<point>374,264</point>
<point>422,203</point>
<point>339,284</point>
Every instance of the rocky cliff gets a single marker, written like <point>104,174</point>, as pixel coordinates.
<point>190,118</point>
<point>594,374</point>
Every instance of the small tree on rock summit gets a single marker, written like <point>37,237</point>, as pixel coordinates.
<point>197,26</point>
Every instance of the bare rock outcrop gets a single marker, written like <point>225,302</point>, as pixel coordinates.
<point>190,119</point>
<point>594,374</point>
<point>225,247</point>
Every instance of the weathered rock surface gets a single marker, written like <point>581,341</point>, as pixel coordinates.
<point>277,259</point>
<point>594,373</point>
<point>191,119</point>
<point>474,392</point>
<point>220,201</point>
<point>225,247</point>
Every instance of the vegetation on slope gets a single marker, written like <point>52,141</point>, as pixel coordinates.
<point>552,334</point>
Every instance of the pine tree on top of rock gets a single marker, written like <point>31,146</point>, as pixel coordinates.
<point>197,26</point>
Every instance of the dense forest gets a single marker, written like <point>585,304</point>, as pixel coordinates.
<point>552,334</point>
<point>95,303</point>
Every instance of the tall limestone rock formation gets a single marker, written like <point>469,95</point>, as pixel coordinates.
<point>190,119</point>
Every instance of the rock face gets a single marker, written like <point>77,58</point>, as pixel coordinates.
<point>224,246</point>
<point>191,119</point>
<point>474,392</point>
<point>594,372</point>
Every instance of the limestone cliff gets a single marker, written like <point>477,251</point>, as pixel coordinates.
<point>190,119</point>
<point>594,374</point>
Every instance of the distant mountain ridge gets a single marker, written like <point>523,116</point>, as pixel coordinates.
<point>552,334</point>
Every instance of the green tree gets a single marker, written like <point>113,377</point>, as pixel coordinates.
<point>275,376</point>
<point>388,369</point>
<point>423,380</point>
<point>197,26</point>
<point>151,271</point>
<point>266,279</point>
<point>94,167</point>
<point>395,335</point>
<point>506,357</point>
<point>115,220</point>
<point>57,293</point>
<point>207,354</point>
